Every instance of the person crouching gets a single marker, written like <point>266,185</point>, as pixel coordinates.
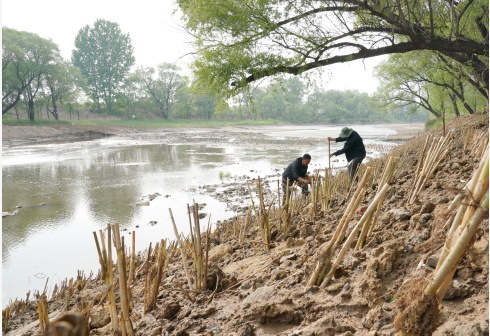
<point>296,171</point>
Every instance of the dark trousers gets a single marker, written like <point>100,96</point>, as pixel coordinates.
<point>353,166</point>
<point>304,188</point>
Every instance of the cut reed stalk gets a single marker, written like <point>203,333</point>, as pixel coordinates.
<point>372,207</point>
<point>244,226</point>
<point>146,291</point>
<point>351,208</point>
<point>127,325</point>
<point>133,257</point>
<point>42,311</point>
<point>327,250</point>
<point>447,268</point>
<point>110,279</point>
<point>435,154</point>
<point>465,222</point>
<point>164,257</point>
<point>263,218</point>
<point>102,261</point>
<point>182,251</point>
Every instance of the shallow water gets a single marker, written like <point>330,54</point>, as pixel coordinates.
<point>64,192</point>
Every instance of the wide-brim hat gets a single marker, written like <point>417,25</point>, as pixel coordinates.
<point>345,132</point>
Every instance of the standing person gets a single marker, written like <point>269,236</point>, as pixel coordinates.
<point>353,149</point>
<point>296,171</point>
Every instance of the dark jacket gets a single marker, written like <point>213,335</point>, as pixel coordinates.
<point>353,147</point>
<point>295,170</point>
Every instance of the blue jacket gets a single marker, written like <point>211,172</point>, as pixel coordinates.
<point>353,147</point>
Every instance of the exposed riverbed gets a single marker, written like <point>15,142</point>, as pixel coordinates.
<point>59,193</point>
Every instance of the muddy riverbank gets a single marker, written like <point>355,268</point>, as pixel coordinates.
<point>255,292</point>
<point>19,135</point>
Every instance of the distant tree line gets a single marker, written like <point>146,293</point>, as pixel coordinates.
<point>38,81</point>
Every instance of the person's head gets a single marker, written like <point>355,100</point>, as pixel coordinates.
<point>345,132</point>
<point>305,160</point>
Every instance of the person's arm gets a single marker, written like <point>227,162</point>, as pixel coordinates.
<point>348,145</point>
<point>297,171</point>
<point>339,139</point>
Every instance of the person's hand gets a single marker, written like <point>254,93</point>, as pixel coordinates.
<point>331,155</point>
<point>330,139</point>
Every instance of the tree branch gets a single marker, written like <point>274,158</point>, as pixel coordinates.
<point>440,45</point>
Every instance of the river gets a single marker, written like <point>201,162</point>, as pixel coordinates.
<point>61,192</point>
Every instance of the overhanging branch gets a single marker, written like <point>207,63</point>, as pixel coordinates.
<point>457,46</point>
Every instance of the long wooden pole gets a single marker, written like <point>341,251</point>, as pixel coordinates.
<point>329,166</point>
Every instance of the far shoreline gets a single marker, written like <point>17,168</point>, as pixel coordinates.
<point>24,134</point>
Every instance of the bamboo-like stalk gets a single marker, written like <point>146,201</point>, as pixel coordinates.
<point>158,278</point>
<point>263,218</point>
<point>198,259</point>
<point>448,266</point>
<point>127,325</point>
<point>243,228</point>
<point>279,193</point>
<point>435,154</point>
<point>42,311</point>
<point>351,207</point>
<point>327,250</point>
<point>466,198</point>
<point>6,313</point>
<point>388,174</point>
<point>69,294</point>
<point>182,251</point>
<point>110,280</point>
<point>372,207</point>
<point>102,261</point>
<point>146,291</point>
<point>133,257</point>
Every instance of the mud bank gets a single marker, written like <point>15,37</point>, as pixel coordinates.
<point>255,292</point>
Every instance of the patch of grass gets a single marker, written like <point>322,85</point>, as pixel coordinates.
<point>223,175</point>
<point>42,122</point>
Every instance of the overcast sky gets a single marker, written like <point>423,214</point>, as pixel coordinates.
<point>154,30</point>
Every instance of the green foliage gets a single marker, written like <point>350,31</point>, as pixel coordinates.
<point>26,57</point>
<point>431,81</point>
<point>105,56</point>
<point>161,85</point>
<point>289,100</point>
<point>239,42</point>
<point>433,124</point>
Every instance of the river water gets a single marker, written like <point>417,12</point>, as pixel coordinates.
<point>61,193</point>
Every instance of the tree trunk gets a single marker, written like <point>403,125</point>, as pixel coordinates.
<point>455,104</point>
<point>31,113</point>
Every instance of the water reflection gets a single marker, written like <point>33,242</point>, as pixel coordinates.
<point>66,191</point>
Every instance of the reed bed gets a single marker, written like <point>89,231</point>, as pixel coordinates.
<point>154,277</point>
<point>126,325</point>
<point>473,208</point>
<point>324,268</point>
<point>434,151</point>
<point>197,280</point>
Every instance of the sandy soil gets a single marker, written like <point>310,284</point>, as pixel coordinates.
<point>255,292</point>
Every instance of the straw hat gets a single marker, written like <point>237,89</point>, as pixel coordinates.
<point>346,132</point>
